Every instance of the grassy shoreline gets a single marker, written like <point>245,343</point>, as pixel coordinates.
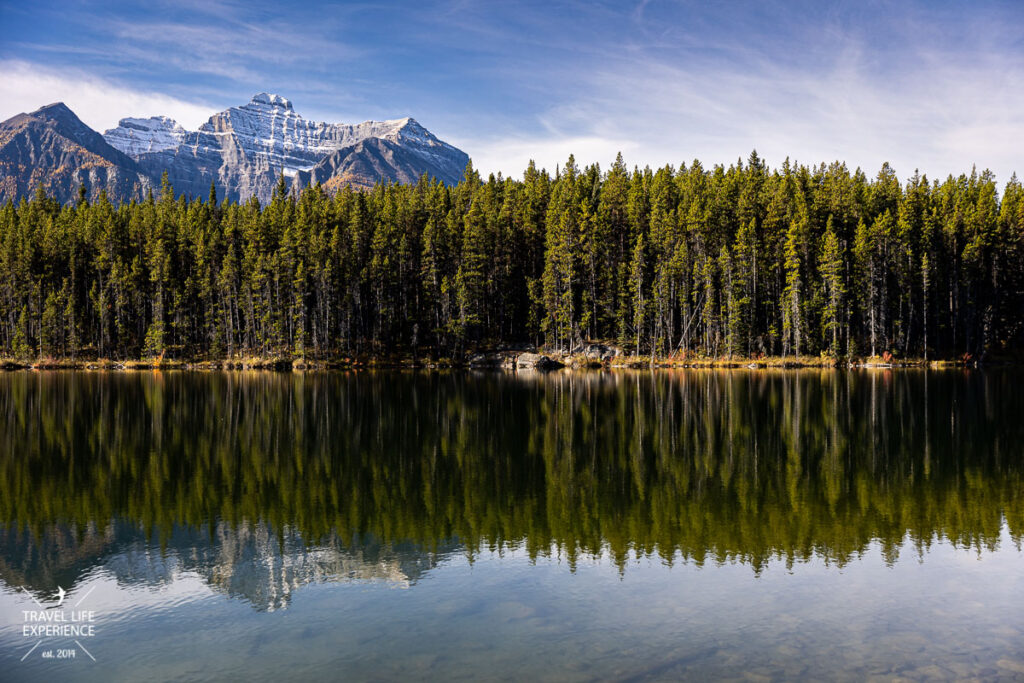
<point>505,360</point>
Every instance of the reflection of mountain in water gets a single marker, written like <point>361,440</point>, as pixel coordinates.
<point>59,556</point>
<point>247,561</point>
<point>706,466</point>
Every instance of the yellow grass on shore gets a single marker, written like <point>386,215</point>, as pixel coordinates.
<point>576,361</point>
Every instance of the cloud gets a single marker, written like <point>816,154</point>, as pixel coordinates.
<point>98,102</point>
<point>931,92</point>
<point>192,49</point>
<point>236,50</point>
<point>937,88</point>
<point>510,156</point>
<point>941,119</point>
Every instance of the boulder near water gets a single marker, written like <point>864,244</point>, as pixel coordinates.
<point>536,361</point>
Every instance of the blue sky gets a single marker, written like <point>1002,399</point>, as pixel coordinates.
<point>932,85</point>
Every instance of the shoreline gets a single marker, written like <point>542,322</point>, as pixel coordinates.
<point>510,361</point>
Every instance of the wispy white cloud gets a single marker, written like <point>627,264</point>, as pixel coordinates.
<point>98,102</point>
<point>237,50</point>
<point>197,46</point>
<point>934,86</point>
<point>939,118</point>
<point>939,97</point>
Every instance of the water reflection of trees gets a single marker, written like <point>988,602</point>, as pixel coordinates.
<point>706,465</point>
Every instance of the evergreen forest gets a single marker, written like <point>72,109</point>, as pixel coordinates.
<point>737,261</point>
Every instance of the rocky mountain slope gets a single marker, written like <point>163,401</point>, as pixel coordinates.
<point>242,150</point>
<point>52,148</point>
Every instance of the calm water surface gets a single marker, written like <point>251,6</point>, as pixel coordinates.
<point>377,526</point>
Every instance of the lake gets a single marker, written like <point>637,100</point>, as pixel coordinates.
<point>573,526</point>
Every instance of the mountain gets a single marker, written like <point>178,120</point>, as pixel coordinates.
<point>398,151</point>
<point>250,561</point>
<point>52,148</point>
<point>140,136</point>
<point>386,159</point>
<point>242,150</point>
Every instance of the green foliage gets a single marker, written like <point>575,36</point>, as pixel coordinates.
<point>835,287</point>
<point>737,260</point>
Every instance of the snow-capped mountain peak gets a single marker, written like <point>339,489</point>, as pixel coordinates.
<point>270,99</point>
<point>244,148</point>
<point>409,129</point>
<point>135,136</point>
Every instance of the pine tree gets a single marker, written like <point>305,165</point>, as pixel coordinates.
<point>636,291</point>
<point>832,267</point>
<point>470,280</point>
<point>560,270</point>
<point>745,259</point>
<point>792,297</point>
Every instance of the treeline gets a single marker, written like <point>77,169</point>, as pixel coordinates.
<point>729,261</point>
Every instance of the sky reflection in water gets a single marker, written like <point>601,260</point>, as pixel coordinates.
<point>796,524</point>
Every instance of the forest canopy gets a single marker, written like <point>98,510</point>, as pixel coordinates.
<point>729,261</point>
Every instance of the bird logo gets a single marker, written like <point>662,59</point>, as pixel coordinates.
<point>60,596</point>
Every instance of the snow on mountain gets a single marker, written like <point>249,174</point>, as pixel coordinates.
<point>243,149</point>
<point>409,133</point>
<point>267,129</point>
<point>271,100</point>
<point>138,136</point>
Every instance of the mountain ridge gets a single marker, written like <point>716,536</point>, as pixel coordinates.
<point>53,149</point>
<point>241,150</point>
